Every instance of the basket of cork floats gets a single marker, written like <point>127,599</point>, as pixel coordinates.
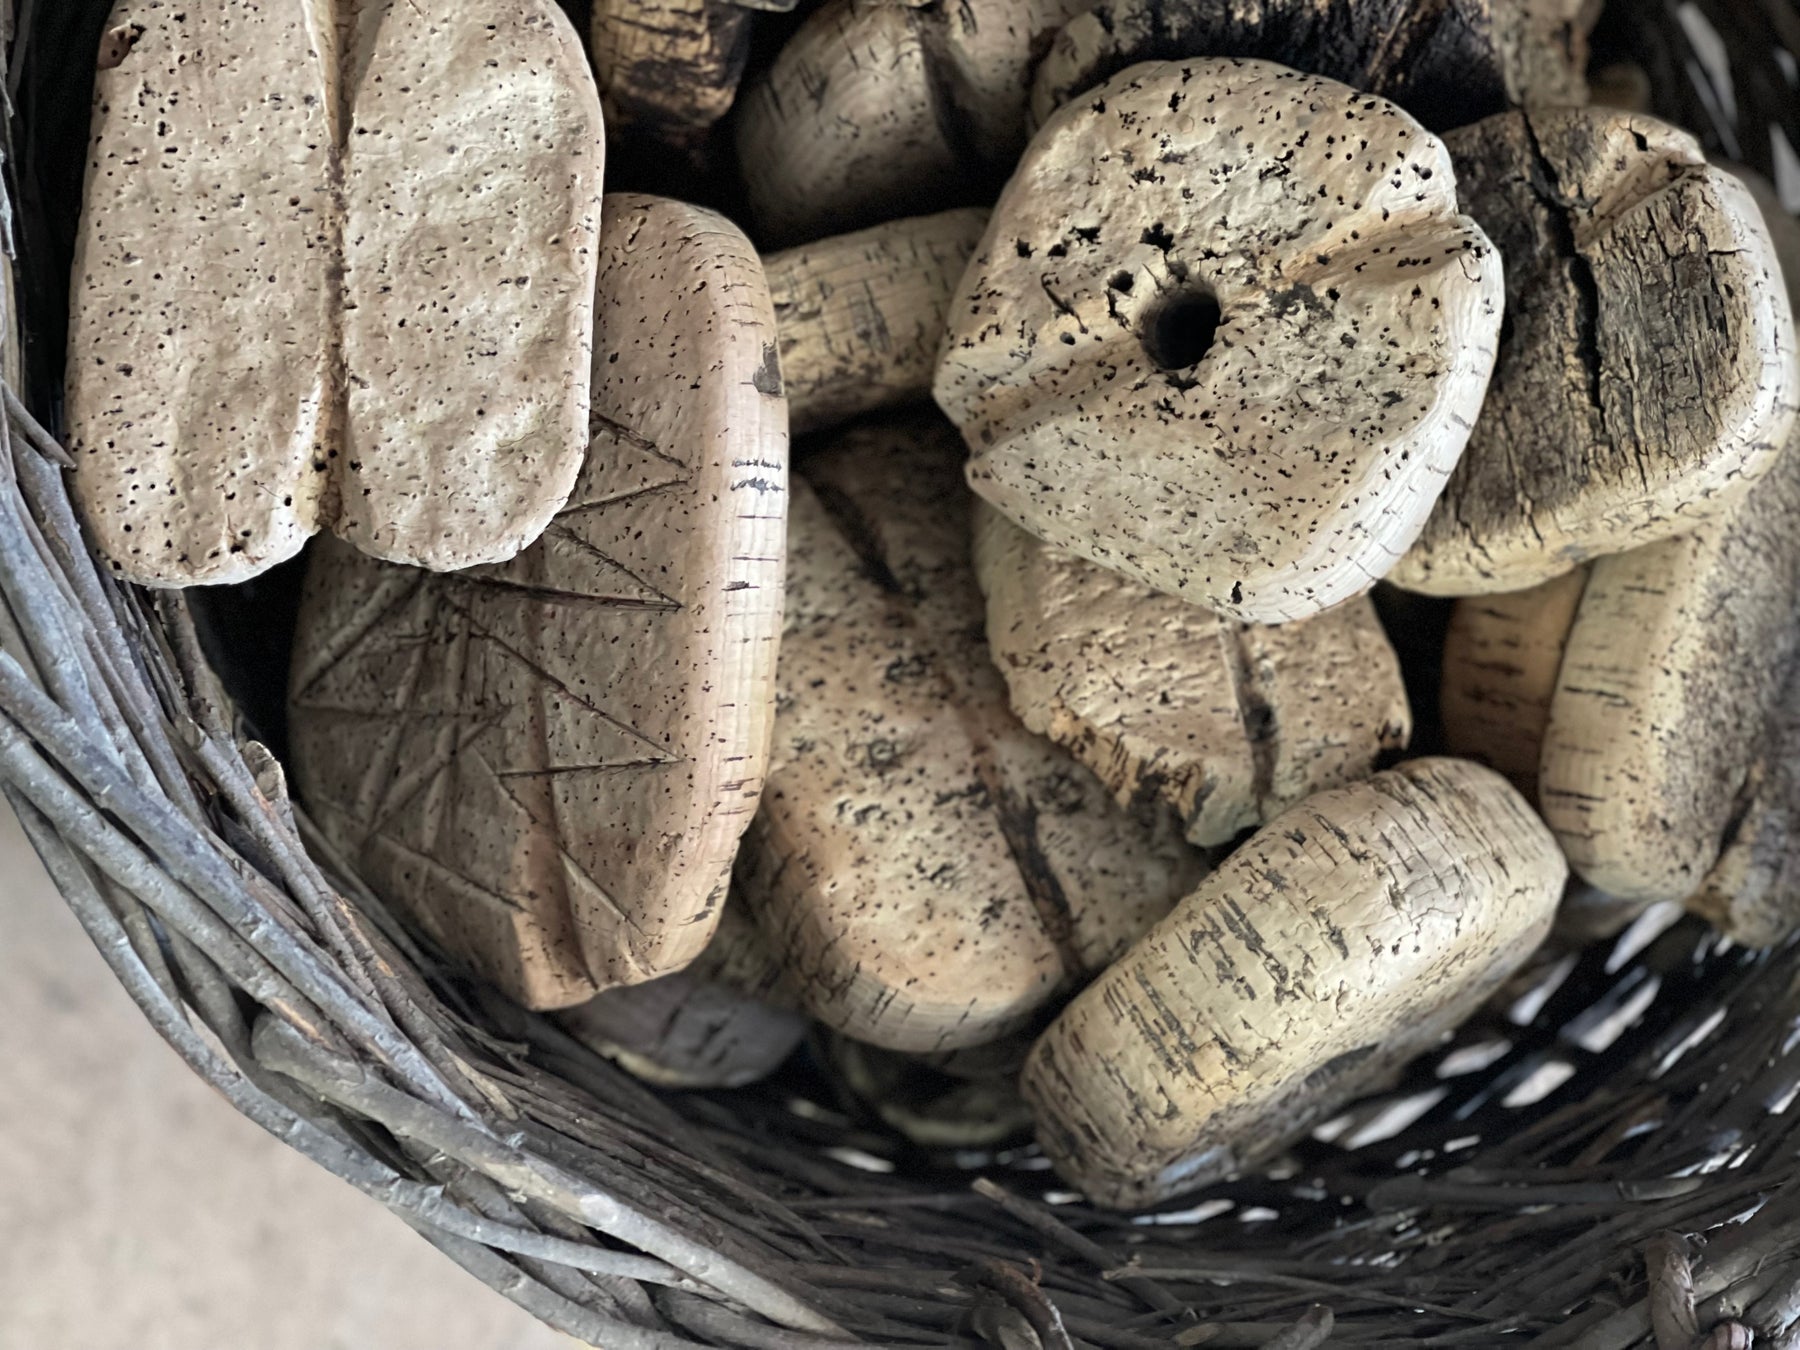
<point>1029,673</point>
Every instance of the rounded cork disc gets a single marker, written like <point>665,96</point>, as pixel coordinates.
<point>550,761</point>
<point>1226,334</point>
<point>931,873</point>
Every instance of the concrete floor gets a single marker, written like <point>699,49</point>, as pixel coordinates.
<point>141,1212</point>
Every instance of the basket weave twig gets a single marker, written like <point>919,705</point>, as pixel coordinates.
<point>1607,1162</point>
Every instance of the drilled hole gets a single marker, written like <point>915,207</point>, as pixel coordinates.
<point>1179,331</point>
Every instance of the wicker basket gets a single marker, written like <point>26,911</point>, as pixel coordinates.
<point>1603,1161</point>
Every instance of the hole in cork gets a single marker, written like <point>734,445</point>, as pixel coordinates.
<point>1179,330</point>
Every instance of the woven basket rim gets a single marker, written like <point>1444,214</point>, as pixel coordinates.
<point>1605,1163</point>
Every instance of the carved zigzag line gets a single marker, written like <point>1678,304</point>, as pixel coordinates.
<point>657,753</point>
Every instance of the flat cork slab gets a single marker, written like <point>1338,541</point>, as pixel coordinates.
<point>335,271</point>
<point>1344,938</point>
<point>1647,373</point>
<point>930,872</point>
<point>472,180</point>
<point>1229,723</point>
<point>550,762</point>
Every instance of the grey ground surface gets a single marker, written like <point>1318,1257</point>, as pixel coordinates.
<point>141,1212</point>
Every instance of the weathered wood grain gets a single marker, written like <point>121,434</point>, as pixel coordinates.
<point>1214,341</point>
<point>1229,723</point>
<point>1446,64</point>
<point>930,872</point>
<point>1647,373</point>
<point>1346,936</point>
<point>549,762</point>
<point>1502,654</point>
<point>668,69</point>
<point>861,315</point>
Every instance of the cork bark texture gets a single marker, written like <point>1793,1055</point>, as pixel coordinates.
<point>549,762</point>
<point>668,69</point>
<point>861,315</point>
<point>1229,723</point>
<point>1647,373</point>
<point>334,271</point>
<point>472,179</point>
<point>1752,893</point>
<point>1674,665</point>
<point>1447,64</point>
<point>1346,936</point>
<point>881,108</point>
<point>725,1021</point>
<point>931,873</point>
<point>1502,654</point>
<point>1227,334</point>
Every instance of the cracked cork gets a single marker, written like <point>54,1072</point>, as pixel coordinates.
<point>1647,373</point>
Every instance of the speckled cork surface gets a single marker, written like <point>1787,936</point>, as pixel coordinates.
<point>1226,334</point>
<point>931,873</point>
<point>1341,940</point>
<point>550,761</point>
<point>333,273</point>
<point>1229,723</point>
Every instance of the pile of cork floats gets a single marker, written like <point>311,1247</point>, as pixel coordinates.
<point>1044,746</point>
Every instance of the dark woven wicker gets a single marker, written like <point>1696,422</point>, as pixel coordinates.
<point>1605,1159</point>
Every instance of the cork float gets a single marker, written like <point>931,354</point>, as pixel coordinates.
<point>1256,417</point>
